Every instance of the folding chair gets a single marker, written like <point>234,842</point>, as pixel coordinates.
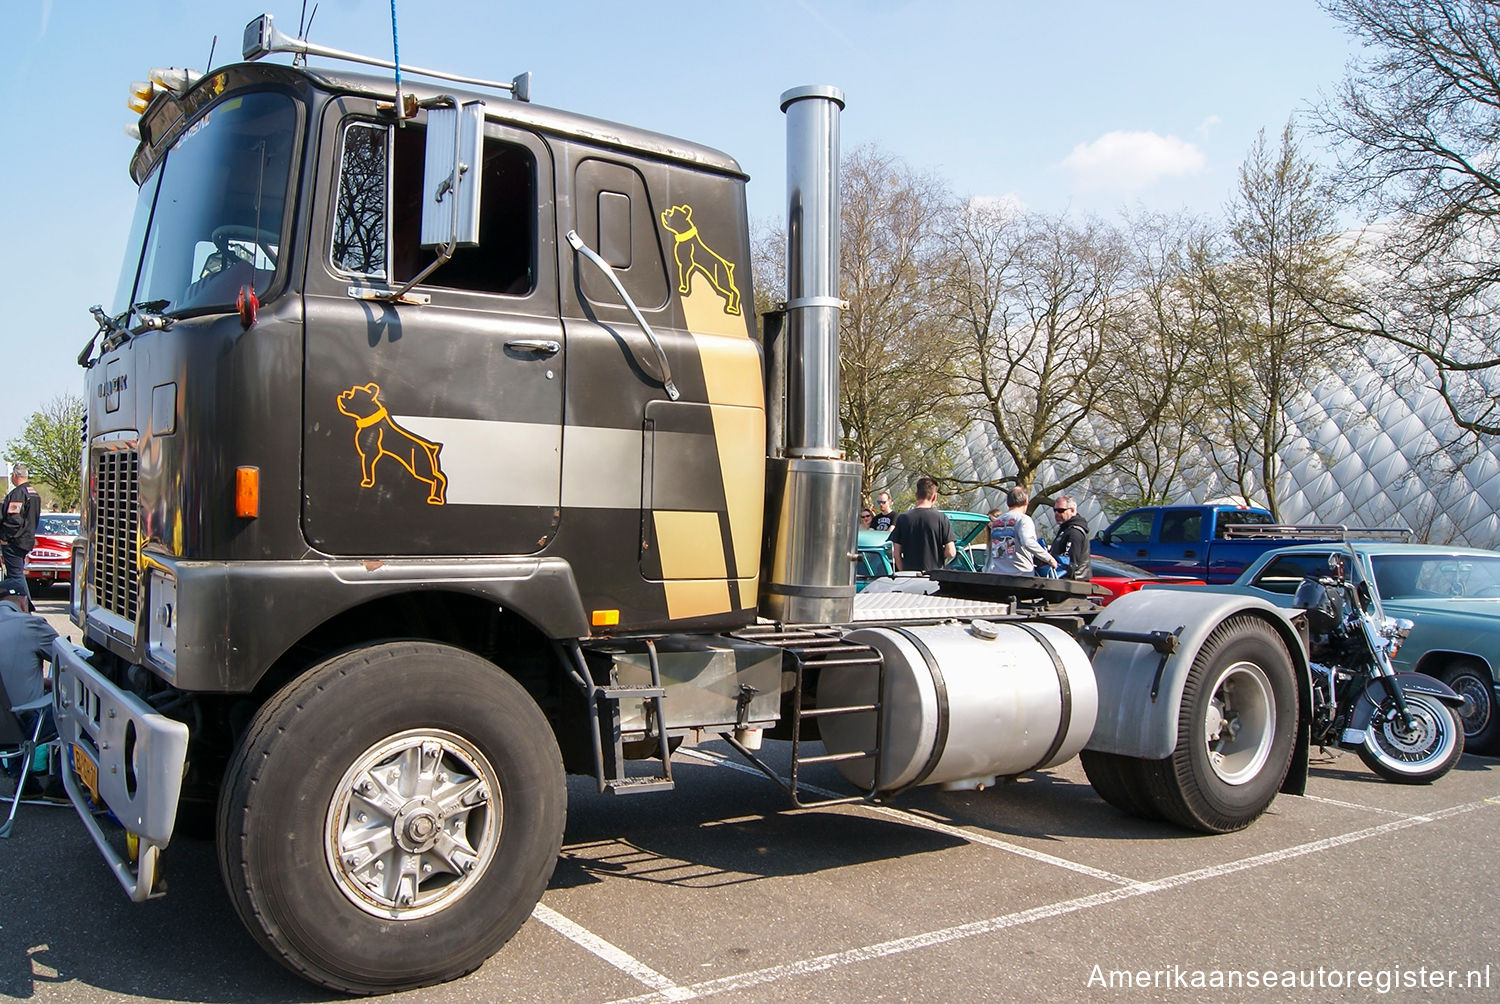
<point>19,747</point>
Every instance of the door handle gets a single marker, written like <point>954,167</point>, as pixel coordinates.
<point>534,346</point>
<point>1141,554</point>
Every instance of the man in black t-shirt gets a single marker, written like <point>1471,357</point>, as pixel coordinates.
<point>884,518</point>
<point>922,538</point>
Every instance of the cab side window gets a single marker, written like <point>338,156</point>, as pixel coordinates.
<point>1181,527</point>
<point>361,220</point>
<point>378,214</point>
<point>1284,574</point>
<point>1134,529</point>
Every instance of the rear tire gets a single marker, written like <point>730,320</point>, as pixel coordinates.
<point>1417,756</point>
<point>1236,731</point>
<point>391,817</point>
<point>1120,781</point>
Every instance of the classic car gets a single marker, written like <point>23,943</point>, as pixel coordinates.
<point>970,539</point>
<point>51,560</point>
<point>1120,577</point>
<point>1450,594</point>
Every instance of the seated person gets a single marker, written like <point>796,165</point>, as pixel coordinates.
<point>25,643</point>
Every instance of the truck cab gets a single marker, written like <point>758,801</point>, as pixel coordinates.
<point>433,454</point>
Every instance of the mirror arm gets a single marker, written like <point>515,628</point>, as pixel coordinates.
<point>448,184</point>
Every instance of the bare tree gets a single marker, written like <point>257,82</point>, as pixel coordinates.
<point>1174,335</point>
<point>1269,286</point>
<point>1054,351</point>
<point>891,393</point>
<point>1417,123</point>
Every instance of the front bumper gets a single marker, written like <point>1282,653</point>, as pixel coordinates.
<point>138,757</point>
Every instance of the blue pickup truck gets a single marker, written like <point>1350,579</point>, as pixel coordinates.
<point>1210,542</point>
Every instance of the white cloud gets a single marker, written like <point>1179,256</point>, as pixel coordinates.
<point>1009,204</point>
<point>1131,160</point>
<point>1207,125</point>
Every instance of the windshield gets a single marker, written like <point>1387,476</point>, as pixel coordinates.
<point>58,524</point>
<point>1417,576</point>
<point>215,205</point>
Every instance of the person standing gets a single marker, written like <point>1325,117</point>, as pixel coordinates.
<point>18,519</point>
<point>884,518</point>
<point>1014,549</point>
<point>1072,538</point>
<point>922,538</point>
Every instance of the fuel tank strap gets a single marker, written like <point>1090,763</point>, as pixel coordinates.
<point>1064,689</point>
<point>940,687</point>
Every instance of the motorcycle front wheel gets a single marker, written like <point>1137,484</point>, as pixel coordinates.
<point>1416,755</point>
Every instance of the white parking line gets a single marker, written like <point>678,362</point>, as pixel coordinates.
<point>1354,805</point>
<point>913,819</point>
<point>760,977</point>
<point>622,960</point>
<point>1128,888</point>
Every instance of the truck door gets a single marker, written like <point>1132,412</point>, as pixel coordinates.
<point>1181,545</point>
<point>1131,537</point>
<point>675,528</point>
<point>434,428</point>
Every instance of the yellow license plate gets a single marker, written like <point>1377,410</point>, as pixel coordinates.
<point>87,771</point>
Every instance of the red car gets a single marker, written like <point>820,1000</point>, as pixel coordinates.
<point>1120,578</point>
<point>51,560</point>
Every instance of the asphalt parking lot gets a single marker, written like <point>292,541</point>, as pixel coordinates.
<point>1033,890</point>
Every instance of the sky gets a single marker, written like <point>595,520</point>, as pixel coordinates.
<point>1089,106</point>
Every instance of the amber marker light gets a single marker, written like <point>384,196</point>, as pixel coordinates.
<point>141,93</point>
<point>247,492</point>
<point>605,618</point>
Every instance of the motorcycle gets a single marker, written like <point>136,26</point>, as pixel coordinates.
<point>1404,726</point>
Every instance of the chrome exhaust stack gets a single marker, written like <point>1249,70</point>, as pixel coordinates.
<point>812,492</point>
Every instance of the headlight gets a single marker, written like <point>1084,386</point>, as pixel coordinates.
<point>161,625</point>
<point>76,601</point>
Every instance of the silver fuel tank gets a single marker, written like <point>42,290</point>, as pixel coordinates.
<point>964,704</point>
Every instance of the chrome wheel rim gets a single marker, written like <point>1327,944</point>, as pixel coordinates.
<point>413,825</point>
<point>1476,709</point>
<point>1414,749</point>
<point>1240,723</point>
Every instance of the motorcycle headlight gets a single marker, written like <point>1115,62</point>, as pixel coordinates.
<point>1395,630</point>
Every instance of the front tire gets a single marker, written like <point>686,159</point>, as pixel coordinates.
<point>1418,755</point>
<point>391,818</point>
<point>1235,733</point>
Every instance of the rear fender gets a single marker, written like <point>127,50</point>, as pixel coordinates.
<point>1131,722</point>
<point>1412,683</point>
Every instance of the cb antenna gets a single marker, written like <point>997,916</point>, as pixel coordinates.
<point>211,47</point>
<point>304,28</point>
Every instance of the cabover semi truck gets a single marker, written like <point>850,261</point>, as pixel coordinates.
<point>434,453</point>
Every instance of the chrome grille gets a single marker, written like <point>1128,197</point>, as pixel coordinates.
<point>114,575</point>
